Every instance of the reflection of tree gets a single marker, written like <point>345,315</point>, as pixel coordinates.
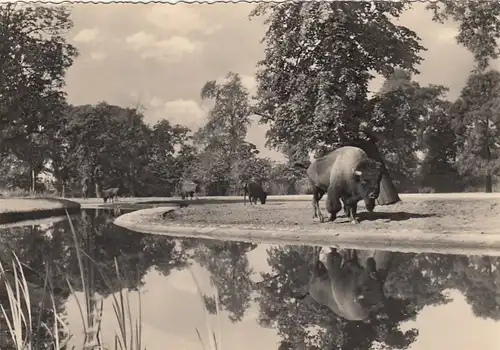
<point>416,281</point>
<point>230,273</point>
<point>53,248</point>
<point>478,278</point>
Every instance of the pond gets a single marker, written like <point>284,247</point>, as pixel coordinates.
<point>241,294</point>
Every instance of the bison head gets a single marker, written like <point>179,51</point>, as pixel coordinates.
<point>367,175</point>
<point>369,290</point>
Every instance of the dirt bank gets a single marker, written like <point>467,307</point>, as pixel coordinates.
<point>21,209</point>
<point>431,224</point>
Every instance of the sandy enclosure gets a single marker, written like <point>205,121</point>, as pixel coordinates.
<point>440,215</point>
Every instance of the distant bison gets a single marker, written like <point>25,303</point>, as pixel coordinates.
<point>254,191</point>
<point>188,189</point>
<point>348,174</point>
<point>110,193</point>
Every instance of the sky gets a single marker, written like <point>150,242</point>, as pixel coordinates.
<point>172,310</point>
<point>161,55</point>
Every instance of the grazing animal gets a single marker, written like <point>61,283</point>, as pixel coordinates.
<point>254,191</point>
<point>351,288</point>
<point>345,174</point>
<point>110,193</point>
<point>188,189</point>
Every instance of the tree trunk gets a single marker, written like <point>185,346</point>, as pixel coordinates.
<point>488,184</point>
<point>97,189</point>
<point>33,181</point>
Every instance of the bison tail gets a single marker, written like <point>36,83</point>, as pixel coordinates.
<point>299,165</point>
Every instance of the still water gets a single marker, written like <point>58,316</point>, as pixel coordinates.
<point>435,301</point>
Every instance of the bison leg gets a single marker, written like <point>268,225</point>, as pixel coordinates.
<point>317,195</point>
<point>333,204</point>
<point>369,204</point>
<point>353,207</point>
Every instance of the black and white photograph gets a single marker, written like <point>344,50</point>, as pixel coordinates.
<point>294,175</point>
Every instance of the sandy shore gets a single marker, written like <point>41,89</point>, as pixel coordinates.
<point>451,223</point>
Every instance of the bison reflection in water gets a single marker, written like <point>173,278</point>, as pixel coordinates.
<point>349,286</point>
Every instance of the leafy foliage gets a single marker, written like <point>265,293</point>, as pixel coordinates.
<point>313,81</point>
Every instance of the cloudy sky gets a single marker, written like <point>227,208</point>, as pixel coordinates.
<point>161,55</point>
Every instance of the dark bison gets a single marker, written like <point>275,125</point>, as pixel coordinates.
<point>348,174</point>
<point>351,287</point>
<point>188,189</point>
<point>254,191</point>
<point>110,193</point>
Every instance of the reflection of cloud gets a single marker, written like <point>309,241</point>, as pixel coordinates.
<point>438,327</point>
<point>180,20</point>
<point>86,35</point>
<point>182,281</point>
<point>170,50</point>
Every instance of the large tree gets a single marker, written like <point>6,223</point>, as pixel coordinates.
<point>34,57</point>
<point>479,27</point>
<point>402,111</point>
<point>478,127</point>
<point>319,59</point>
<point>223,136</point>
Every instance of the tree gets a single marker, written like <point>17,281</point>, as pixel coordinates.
<point>479,27</point>
<point>477,124</point>
<point>313,81</point>
<point>402,110</point>
<point>225,131</point>
<point>34,57</point>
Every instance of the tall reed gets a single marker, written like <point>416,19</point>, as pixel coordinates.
<point>19,318</point>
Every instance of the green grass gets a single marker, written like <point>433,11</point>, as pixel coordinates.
<point>19,314</point>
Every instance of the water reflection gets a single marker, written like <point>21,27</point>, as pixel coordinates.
<point>258,288</point>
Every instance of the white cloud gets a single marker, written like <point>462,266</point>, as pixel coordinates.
<point>250,83</point>
<point>185,112</point>
<point>155,101</point>
<point>140,39</point>
<point>180,20</point>
<point>86,35</point>
<point>170,50</point>
<point>98,56</point>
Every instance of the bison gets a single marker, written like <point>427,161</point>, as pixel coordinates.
<point>254,190</point>
<point>188,189</point>
<point>351,288</point>
<point>110,193</point>
<point>348,174</point>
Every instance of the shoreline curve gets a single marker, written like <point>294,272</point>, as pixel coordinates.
<point>14,210</point>
<point>411,240</point>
